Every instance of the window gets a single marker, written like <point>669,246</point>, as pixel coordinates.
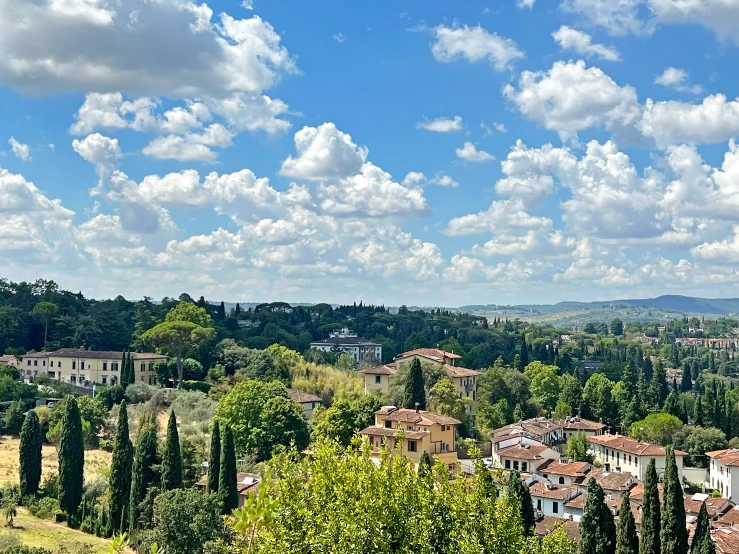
<point>515,465</point>
<point>561,480</point>
<point>388,424</point>
<point>59,364</point>
<point>409,427</point>
<point>412,447</point>
<point>105,379</point>
<point>508,464</point>
<point>51,363</point>
<point>105,367</point>
<point>29,362</point>
<point>113,366</point>
<point>143,367</point>
<point>43,363</point>
<point>74,379</point>
<point>538,504</point>
<point>555,507</point>
<point>151,366</point>
<point>524,466</point>
<point>82,364</point>
<point>35,362</point>
<point>51,374</point>
<point>74,365</point>
<point>378,379</point>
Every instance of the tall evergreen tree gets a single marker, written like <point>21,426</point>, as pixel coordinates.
<point>698,412</point>
<point>124,370</point>
<point>30,454</point>
<point>71,458</point>
<point>120,474</point>
<point>414,391</point>
<point>172,457</point>
<point>673,534</point>
<point>672,405</point>
<point>227,476</point>
<point>424,465</point>
<point>519,490</point>
<point>524,353</point>
<point>597,528</point>
<point>650,518</point>
<point>658,388</point>
<point>131,369</point>
<point>144,473</point>
<point>687,383</point>
<point>702,542</point>
<point>214,461</point>
<point>626,540</point>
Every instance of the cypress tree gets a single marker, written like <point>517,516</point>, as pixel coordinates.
<point>686,384</point>
<point>71,458</point>
<point>414,391</point>
<point>144,475</point>
<point>214,461</point>
<point>702,542</point>
<point>698,412</point>
<point>124,370</point>
<point>673,533</point>
<point>120,474</point>
<point>227,475</point>
<point>524,353</point>
<point>424,465</point>
<point>30,454</point>
<point>672,405</point>
<point>626,539</point>
<point>172,460</point>
<point>131,370</point>
<point>650,515</point>
<point>597,529</point>
<point>520,491</point>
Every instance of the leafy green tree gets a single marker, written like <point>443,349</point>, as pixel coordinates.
<point>172,458</point>
<point>119,484</point>
<point>617,327</point>
<point>214,459</point>
<point>598,400</point>
<point>185,520</point>
<point>626,540</point>
<point>520,491</point>
<point>45,313</point>
<point>13,418</point>
<point>414,389</point>
<point>562,411</point>
<point>696,441</point>
<point>338,423</point>
<point>444,399</point>
<point>227,476</point>
<point>71,458</point>
<point>702,542</point>
<point>656,428</point>
<point>577,448</point>
<point>571,392</point>
<point>545,384</point>
<point>672,405</point>
<point>144,473</point>
<point>650,519</point>
<point>424,465</point>
<point>30,454</point>
<point>597,528</point>
<point>186,326</point>
<point>282,425</point>
<point>673,533</point>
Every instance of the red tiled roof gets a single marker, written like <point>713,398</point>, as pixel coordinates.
<point>578,503</point>
<point>556,492</point>
<point>614,481</point>
<point>302,397</point>
<point>538,426</point>
<point>728,456</point>
<point>522,452</point>
<point>458,372</point>
<point>579,424</point>
<point>637,493</point>
<point>376,430</point>
<point>548,524</point>
<point>726,540</point>
<point>570,469</point>
<point>413,416</point>
<point>714,506</point>
<point>632,446</point>
<point>430,353</point>
<point>379,370</point>
<point>730,518</point>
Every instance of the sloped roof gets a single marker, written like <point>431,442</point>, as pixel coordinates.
<point>548,524</point>
<point>569,469</point>
<point>523,452</point>
<point>726,540</point>
<point>579,424</point>
<point>714,506</point>
<point>95,354</point>
<point>413,416</point>
<point>453,371</point>
<point>632,446</point>
<point>636,494</point>
<point>376,430</point>
<point>302,397</point>
<point>613,480</point>
<point>728,456</point>
<point>430,353</point>
<point>379,370</point>
<point>555,492</point>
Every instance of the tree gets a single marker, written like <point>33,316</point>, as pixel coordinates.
<point>672,405</point>
<point>414,392</point>
<point>687,382</point>
<point>124,370</point>
<point>545,384</point>
<point>144,473</point>
<point>617,327</point>
<point>571,393</point>
<point>650,519</point>
<point>673,533</point>
<point>626,540</point>
<point>184,520</point>
<point>698,412</point>
<point>597,528</point>
<point>696,441</point>
<point>702,542</point>
<point>658,389</point>
<point>577,448</point>
<point>172,459</point>
<point>656,428</point>
<point>282,425</point>
<point>338,423</point>
<point>444,399</point>
<point>71,458</point>
<point>185,326</point>
<point>227,476</point>
<point>119,483</point>
<point>562,411</point>
<point>30,454</point>
<point>214,460</point>
<point>45,312</point>
<point>520,491</point>
<point>424,465</point>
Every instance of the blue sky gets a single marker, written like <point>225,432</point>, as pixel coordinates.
<point>429,153</point>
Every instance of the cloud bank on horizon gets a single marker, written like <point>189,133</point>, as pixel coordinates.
<point>459,154</point>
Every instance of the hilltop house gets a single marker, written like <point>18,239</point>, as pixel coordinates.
<point>339,341</point>
<point>9,359</point>
<point>377,379</point>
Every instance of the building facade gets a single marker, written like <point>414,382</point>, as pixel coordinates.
<point>364,352</point>
<point>9,359</point>
<point>308,402</point>
<point>377,379</point>
<point>624,454</point>
<point>723,472</point>
<point>87,367</point>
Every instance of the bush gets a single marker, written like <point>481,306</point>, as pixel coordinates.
<point>200,386</point>
<point>50,486</point>
<point>139,393</point>
<point>45,508</point>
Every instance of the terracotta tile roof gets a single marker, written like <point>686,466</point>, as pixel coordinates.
<point>730,518</point>
<point>523,452</point>
<point>578,503</point>
<point>570,469</point>
<point>457,372</point>
<point>344,341</point>
<point>714,506</point>
<point>579,424</point>
<point>632,446</point>
<point>728,457</point>
<point>302,397</point>
<point>555,492</point>
<point>548,524</point>
<point>636,494</point>
<point>412,416</point>
<point>726,540</point>
<point>379,370</point>
<point>245,483</point>
<point>538,427</point>
<point>614,481</point>
<point>376,430</point>
<point>430,353</point>
<point>94,354</point>
<point>7,358</point>
<point>36,355</point>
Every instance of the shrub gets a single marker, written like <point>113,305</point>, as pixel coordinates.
<point>139,393</point>
<point>44,508</point>
<point>200,386</point>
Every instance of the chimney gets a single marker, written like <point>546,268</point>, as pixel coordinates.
<point>417,407</point>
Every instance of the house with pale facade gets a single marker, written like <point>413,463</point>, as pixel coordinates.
<point>377,379</point>
<point>364,351</point>
<point>521,454</point>
<point>409,433</point>
<point>549,499</point>
<point>723,472</point>
<point>308,402</point>
<point>565,472</point>
<point>573,425</point>
<point>85,367</point>
<point>9,359</point>
<point>539,429</point>
<point>624,454</point>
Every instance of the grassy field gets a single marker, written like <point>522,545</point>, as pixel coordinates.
<point>52,536</point>
<point>97,462</point>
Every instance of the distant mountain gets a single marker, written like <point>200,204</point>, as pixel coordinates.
<point>668,302</point>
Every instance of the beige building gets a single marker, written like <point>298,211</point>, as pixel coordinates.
<point>377,379</point>
<point>308,402</point>
<point>624,454</point>
<point>87,367</point>
<point>9,359</point>
<point>411,432</point>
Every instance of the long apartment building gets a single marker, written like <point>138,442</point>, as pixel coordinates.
<point>553,433</point>
<point>86,367</point>
<point>624,454</point>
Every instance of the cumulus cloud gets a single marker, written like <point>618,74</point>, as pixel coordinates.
<point>474,44</point>
<point>582,43</point>
<point>677,79</point>
<point>525,4</point>
<point>443,180</point>
<point>470,153</point>
<point>618,17</point>
<point>101,151</point>
<point>441,124</point>
<point>20,150</point>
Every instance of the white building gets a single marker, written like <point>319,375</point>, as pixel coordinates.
<point>723,473</point>
<point>308,402</point>
<point>565,472</point>
<point>345,341</point>
<point>549,499</point>
<point>624,454</point>
<point>521,454</point>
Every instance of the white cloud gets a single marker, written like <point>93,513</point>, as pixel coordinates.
<point>102,152</point>
<point>720,16</point>
<point>618,17</point>
<point>722,252</point>
<point>525,4</point>
<point>677,79</point>
<point>470,153</point>
<point>715,119</point>
<point>580,42</point>
<point>501,215</point>
<point>105,47</point>
<point>339,37</point>
<point>570,97</point>
<point>191,146</point>
<point>20,150</point>
<point>441,124</point>
<point>474,44</point>
<point>443,180</point>
<point>324,152</point>
<point>414,178</point>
